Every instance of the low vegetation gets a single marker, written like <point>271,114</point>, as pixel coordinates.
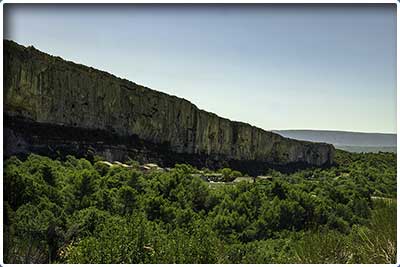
<point>76,211</point>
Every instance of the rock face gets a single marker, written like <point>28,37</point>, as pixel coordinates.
<point>45,91</point>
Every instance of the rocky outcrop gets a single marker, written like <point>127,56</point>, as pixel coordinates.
<point>40,89</point>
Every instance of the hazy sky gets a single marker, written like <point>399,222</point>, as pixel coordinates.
<point>325,67</point>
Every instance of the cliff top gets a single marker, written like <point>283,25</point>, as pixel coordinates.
<point>31,51</point>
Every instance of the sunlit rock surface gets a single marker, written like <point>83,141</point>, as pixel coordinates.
<point>55,105</point>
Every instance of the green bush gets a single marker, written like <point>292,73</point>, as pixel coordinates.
<point>73,211</point>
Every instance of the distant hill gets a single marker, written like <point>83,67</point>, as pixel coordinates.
<point>372,149</point>
<point>350,141</point>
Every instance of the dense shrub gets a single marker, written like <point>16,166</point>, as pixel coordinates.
<point>73,211</point>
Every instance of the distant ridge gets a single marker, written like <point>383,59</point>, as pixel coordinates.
<point>350,141</point>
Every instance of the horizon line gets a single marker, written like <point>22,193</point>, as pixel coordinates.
<point>343,131</point>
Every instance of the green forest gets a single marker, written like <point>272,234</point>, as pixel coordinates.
<point>75,211</point>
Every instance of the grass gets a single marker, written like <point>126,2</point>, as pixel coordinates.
<point>374,243</point>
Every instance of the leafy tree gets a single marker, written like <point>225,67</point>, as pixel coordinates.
<point>77,211</point>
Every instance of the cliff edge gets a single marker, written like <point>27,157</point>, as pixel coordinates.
<point>55,105</point>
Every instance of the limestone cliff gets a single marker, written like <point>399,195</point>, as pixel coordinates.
<point>40,89</point>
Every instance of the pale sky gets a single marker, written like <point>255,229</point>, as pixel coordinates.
<point>323,67</point>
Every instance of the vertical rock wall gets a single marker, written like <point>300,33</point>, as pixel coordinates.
<point>49,90</point>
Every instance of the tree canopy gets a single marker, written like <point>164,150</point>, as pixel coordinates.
<point>77,211</point>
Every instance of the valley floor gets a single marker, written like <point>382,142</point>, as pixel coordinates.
<point>75,211</point>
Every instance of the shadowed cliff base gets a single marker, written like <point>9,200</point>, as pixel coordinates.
<point>101,113</point>
<point>22,136</point>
